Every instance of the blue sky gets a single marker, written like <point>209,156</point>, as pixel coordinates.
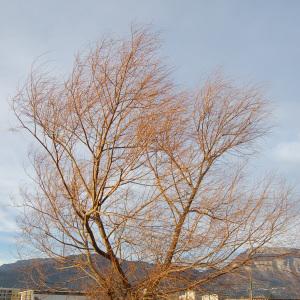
<point>251,41</point>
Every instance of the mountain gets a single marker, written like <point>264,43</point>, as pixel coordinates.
<point>274,273</point>
<point>48,274</point>
<point>29,274</point>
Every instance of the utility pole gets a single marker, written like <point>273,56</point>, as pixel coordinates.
<point>250,284</point>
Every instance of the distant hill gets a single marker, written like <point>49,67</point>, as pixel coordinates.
<point>48,274</point>
<point>275,273</point>
<point>28,274</point>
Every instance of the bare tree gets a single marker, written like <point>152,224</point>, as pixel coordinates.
<point>128,168</point>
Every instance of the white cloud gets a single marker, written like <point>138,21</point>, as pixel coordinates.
<point>7,224</point>
<point>288,152</point>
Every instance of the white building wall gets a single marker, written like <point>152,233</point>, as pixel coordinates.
<point>31,295</point>
<point>210,297</point>
<point>58,297</point>
<point>188,295</point>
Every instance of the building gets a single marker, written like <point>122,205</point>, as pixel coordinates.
<point>51,295</point>
<point>210,297</point>
<point>188,295</point>
<point>9,294</point>
<point>193,295</point>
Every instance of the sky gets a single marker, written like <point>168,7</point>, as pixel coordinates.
<point>250,41</point>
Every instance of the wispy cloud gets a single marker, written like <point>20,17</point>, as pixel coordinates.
<point>288,152</point>
<point>7,221</point>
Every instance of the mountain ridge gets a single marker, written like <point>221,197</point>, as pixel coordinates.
<point>274,272</point>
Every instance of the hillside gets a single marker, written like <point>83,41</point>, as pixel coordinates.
<point>275,273</point>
